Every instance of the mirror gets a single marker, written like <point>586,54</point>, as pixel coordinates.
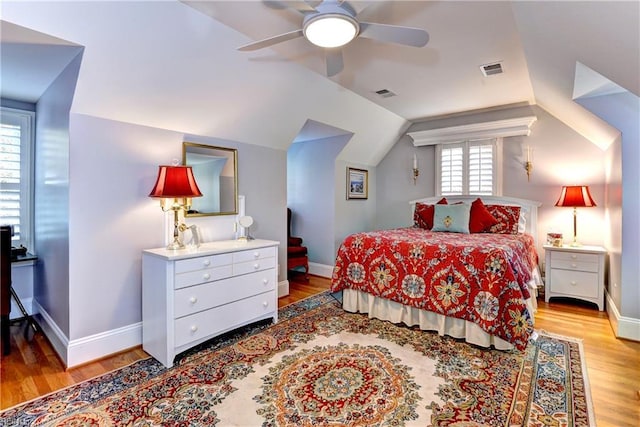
<point>216,172</point>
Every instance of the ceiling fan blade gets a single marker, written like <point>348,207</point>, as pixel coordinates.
<point>299,5</point>
<point>271,41</point>
<point>394,34</point>
<point>334,60</point>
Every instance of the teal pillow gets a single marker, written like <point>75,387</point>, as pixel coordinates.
<point>452,218</point>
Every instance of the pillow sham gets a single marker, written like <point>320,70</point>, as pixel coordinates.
<point>423,214</point>
<point>480,218</point>
<point>451,218</point>
<point>507,216</point>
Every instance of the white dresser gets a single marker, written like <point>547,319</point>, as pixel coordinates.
<point>192,295</point>
<point>575,272</point>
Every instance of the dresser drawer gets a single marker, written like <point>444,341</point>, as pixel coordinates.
<point>252,266</point>
<point>213,294</point>
<point>574,257</point>
<point>254,254</point>
<point>574,283</point>
<point>202,276</point>
<point>213,321</point>
<point>202,263</point>
<point>576,265</point>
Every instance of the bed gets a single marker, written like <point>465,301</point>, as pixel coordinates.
<point>478,286</point>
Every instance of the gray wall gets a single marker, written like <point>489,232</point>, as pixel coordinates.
<point>311,191</point>
<point>355,215</point>
<point>51,201</point>
<point>622,110</point>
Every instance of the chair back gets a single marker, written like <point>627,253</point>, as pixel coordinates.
<point>5,269</point>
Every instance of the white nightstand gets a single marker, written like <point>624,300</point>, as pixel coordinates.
<point>575,272</point>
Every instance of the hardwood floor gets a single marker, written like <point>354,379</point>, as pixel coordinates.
<point>33,369</point>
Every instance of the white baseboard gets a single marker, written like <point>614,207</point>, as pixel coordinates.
<point>96,346</point>
<point>283,288</point>
<point>86,349</point>
<point>54,334</point>
<point>623,327</point>
<point>321,270</point>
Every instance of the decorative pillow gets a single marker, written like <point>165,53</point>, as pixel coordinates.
<point>452,218</point>
<point>481,219</point>
<point>507,216</point>
<point>423,214</point>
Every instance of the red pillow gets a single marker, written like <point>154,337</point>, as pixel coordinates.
<point>423,214</point>
<point>507,217</point>
<point>480,218</point>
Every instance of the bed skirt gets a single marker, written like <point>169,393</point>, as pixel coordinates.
<point>360,302</point>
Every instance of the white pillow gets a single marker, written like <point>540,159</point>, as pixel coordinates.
<point>522,220</point>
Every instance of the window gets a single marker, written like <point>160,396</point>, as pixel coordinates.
<point>16,143</point>
<point>470,167</point>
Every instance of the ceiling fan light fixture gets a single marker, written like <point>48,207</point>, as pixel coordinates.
<point>331,30</point>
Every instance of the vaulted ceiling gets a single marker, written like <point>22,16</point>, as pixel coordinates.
<point>175,65</point>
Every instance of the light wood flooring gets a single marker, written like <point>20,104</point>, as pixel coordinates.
<point>33,369</point>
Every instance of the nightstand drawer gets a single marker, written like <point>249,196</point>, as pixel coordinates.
<point>574,283</point>
<point>573,257</point>
<point>575,265</point>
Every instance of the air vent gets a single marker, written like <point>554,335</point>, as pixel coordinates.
<point>385,93</point>
<point>491,69</point>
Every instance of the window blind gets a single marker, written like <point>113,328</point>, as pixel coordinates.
<point>15,169</point>
<point>468,167</point>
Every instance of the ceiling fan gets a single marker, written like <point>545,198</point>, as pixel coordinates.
<point>331,24</point>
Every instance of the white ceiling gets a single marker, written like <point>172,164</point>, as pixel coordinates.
<point>539,44</point>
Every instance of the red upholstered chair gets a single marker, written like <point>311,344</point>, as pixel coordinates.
<point>296,253</point>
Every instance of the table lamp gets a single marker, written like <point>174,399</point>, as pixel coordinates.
<point>575,196</point>
<point>175,187</point>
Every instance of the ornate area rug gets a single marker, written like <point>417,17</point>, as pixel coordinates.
<point>321,366</point>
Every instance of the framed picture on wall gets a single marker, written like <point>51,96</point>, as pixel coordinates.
<point>357,183</point>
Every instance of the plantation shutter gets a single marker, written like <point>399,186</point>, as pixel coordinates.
<point>481,168</point>
<point>452,169</point>
<point>469,167</point>
<point>15,169</point>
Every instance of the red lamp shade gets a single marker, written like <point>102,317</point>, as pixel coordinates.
<point>175,181</point>
<point>575,196</point>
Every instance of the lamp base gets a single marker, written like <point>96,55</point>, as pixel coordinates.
<point>175,245</point>
<point>575,244</point>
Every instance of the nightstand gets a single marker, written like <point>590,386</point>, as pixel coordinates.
<point>575,272</point>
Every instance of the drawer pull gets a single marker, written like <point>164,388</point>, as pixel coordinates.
<point>193,300</point>
<point>265,281</point>
<point>206,263</point>
<point>574,283</point>
<point>265,304</point>
<point>206,276</point>
<point>256,266</point>
<point>574,265</point>
<point>256,254</point>
<point>574,256</point>
<point>194,328</point>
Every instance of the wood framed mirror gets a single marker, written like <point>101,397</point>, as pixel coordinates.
<point>216,172</point>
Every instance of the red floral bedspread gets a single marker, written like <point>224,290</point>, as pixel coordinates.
<point>476,277</point>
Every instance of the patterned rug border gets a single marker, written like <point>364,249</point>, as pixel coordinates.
<point>585,373</point>
<point>285,313</point>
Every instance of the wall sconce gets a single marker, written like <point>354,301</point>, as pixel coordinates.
<point>175,187</point>
<point>575,196</point>
<point>528,165</point>
<point>416,172</point>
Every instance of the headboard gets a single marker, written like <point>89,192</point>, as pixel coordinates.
<point>529,208</point>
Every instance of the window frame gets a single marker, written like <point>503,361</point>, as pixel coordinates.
<point>496,165</point>
<point>26,120</point>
